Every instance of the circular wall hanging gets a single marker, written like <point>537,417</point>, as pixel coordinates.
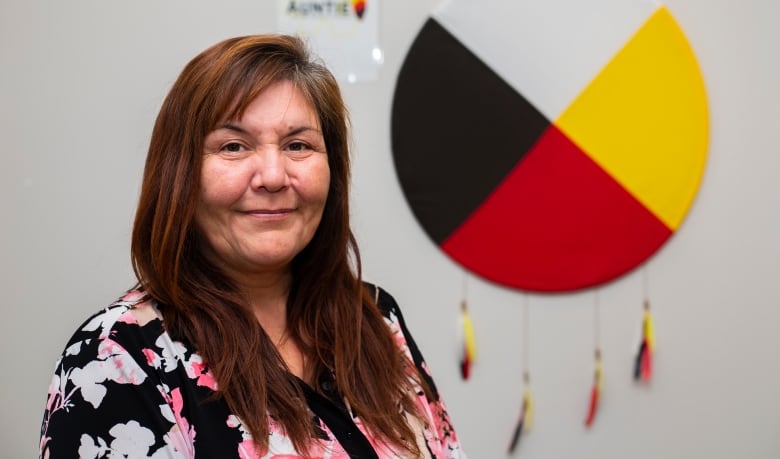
<point>547,146</point>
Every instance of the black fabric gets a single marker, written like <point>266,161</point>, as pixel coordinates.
<point>329,407</point>
<point>388,306</point>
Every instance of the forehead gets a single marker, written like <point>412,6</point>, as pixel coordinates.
<point>281,93</point>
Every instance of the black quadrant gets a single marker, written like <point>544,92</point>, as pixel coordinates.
<point>457,129</point>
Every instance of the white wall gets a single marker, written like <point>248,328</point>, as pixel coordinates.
<point>80,84</point>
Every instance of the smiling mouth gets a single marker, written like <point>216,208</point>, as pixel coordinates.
<point>269,211</point>
<point>268,214</point>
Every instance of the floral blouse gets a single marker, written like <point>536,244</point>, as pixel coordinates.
<point>124,389</point>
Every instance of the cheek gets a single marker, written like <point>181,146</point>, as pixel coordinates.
<point>220,187</point>
<point>311,181</point>
<point>321,186</point>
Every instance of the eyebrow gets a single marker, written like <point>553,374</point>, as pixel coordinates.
<point>293,131</point>
<point>300,129</point>
<point>232,127</point>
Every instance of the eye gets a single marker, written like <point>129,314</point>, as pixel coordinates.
<point>232,147</point>
<point>297,146</point>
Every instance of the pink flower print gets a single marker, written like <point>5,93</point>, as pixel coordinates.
<point>197,369</point>
<point>42,451</point>
<point>55,390</point>
<point>439,433</point>
<point>247,450</point>
<point>55,401</point>
<point>398,335</point>
<point>113,364</point>
<point>127,318</point>
<point>233,422</point>
<point>296,456</point>
<point>182,434</point>
<point>172,351</point>
<point>125,369</point>
<point>154,360</point>
<point>132,297</point>
<point>145,312</point>
<point>442,422</point>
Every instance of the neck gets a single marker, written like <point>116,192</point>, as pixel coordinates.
<point>268,293</point>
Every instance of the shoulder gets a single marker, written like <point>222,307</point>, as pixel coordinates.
<point>123,316</point>
<point>116,337</point>
<point>394,319</point>
<point>120,377</point>
<point>400,331</point>
<point>384,300</point>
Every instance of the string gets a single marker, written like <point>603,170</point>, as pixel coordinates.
<point>465,286</point>
<point>525,339</point>
<point>596,321</point>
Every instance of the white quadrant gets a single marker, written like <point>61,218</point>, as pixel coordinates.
<point>548,50</point>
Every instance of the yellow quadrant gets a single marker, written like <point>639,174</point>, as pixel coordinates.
<point>644,119</point>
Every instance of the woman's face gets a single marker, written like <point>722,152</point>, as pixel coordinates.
<point>264,182</point>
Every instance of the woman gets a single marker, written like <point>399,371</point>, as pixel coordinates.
<point>250,333</point>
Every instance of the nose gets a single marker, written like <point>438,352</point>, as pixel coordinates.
<point>270,170</point>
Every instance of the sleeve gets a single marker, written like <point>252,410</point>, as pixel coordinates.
<point>440,435</point>
<point>105,399</point>
<point>392,312</point>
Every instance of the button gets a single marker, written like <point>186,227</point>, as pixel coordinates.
<point>326,385</point>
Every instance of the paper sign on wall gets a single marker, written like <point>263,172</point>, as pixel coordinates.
<point>344,33</point>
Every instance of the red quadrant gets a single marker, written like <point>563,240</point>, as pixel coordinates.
<point>557,222</point>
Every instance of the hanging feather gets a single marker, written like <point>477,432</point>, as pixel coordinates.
<point>643,365</point>
<point>595,392</point>
<point>521,425</point>
<point>528,403</point>
<point>640,356</point>
<point>525,420</point>
<point>647,367</point>
<point>468,347</point>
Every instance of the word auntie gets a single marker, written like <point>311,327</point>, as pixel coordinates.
<point>322,8</point>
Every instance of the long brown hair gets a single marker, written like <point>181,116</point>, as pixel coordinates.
<point>330,313</point>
